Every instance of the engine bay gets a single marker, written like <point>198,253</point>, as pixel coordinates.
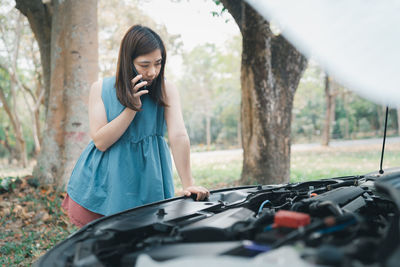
<point>343,221</point>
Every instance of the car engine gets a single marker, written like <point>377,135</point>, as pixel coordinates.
<point>342,221</point>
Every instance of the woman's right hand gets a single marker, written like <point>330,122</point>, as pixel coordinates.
<point>134,94</point>
<point>103,132</point>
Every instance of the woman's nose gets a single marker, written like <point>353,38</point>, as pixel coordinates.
<point>151,72</point>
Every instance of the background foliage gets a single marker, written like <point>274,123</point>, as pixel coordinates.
<point>209,84</point>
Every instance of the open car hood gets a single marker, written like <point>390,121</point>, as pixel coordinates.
<point>357,42</point>
<point>344,221</point>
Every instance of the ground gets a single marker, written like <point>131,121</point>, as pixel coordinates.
<point>31,221</point>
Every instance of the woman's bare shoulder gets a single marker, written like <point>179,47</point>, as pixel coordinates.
<point>95,89</point>
<point>97,84</point>
<point>170,87</point>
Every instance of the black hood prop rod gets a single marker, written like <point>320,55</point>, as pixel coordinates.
<point>384,140</point>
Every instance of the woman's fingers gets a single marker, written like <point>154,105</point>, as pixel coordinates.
<point>140,93</point>
<point>136,79</point>
<point>136,93</point>
<point>137,83</point>
<point>137,87</point>
<point>201,192</point>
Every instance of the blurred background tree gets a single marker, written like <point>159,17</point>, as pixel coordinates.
<point>21,89</point>
<point>210,92</point>
<point>353,117</point>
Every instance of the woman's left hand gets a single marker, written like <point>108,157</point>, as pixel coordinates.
<point>201,192</point>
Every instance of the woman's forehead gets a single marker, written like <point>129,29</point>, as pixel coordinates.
<point>150,57</point>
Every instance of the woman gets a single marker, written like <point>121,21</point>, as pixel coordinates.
<point>128,162</point>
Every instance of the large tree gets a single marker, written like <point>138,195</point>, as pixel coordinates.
<point>66,32</point>
<point>270,73</point>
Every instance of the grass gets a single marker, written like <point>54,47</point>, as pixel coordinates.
<point>306,164</point>
<point>24,236</point>
<point>214,175</point>
<point>312,165</point>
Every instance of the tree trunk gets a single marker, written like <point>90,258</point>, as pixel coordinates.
<point>398,120</point>
<point>6,144</point>
<point>38,98</point>
<point>239,133</point>
<point>36,132</point>
<point>346,100</point>
<point>36,129</point>
<point>80,72</point>
<point>270,72</point>
<point>34,111</point>
<point>74,67</point>
<point>328,112</point>
<point>208,131</point>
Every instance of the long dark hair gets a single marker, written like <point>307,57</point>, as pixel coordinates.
<point>139,40</point>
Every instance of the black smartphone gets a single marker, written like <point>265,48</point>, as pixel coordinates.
<point>136,73</point>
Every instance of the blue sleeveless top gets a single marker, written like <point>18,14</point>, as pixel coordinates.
<point>134,171</point>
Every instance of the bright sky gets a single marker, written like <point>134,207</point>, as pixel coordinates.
<point>192,19</point>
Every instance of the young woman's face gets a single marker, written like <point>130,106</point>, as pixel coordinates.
<point>149,65</point>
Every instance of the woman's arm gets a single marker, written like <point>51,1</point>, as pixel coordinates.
<point>179,142</point>
<point>104,133</point>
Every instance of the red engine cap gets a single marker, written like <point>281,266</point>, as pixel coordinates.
<point>291,219</point>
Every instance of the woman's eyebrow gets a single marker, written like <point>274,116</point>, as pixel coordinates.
<point>148,61</point>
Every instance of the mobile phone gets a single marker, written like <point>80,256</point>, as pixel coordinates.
<point>136,73</point>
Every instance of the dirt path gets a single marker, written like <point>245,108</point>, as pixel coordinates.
<point>357,145</point>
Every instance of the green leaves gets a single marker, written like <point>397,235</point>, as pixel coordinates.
<point>9,183</point>
<point>210,89</point>
<point>221,12</point>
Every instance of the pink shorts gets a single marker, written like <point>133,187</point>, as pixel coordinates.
<point>78,214</point>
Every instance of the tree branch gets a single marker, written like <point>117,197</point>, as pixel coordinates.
<point>235,8</point>
<point>39,17</point>
<point>16,80</point>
